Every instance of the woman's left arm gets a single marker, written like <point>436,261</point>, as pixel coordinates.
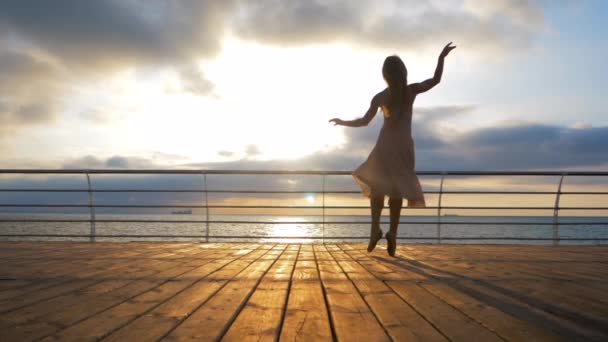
<point>365,120</point>
<point>431,82</point>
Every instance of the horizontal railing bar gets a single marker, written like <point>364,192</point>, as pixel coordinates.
<point>294,172</point>
<point>300,222</point>
<point>301,191</point>
<point>302,237</point>
<point>36,205</point>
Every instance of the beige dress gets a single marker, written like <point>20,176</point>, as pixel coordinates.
<point>390,167</point>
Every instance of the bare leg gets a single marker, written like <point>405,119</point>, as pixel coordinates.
<point>376,203</point>
<point>395,205</point>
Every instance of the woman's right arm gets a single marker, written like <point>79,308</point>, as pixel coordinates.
<point>365,120</point>
<point>431,82</point>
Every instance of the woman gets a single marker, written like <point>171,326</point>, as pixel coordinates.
<point>390,168</point>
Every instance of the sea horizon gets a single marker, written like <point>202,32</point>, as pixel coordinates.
<point>311,228</point>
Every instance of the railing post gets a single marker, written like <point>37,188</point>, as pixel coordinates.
<point>556,211</point>
<point>91,207</point>
<point>439,207</point>
<point>206,208</point>
<point>323,210</point>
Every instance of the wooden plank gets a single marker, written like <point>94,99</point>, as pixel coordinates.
<point>380,266</point>
<point>59,277</point>
<point>40,320</point>
<point>482,282</point>
<point>44,318</point>
<point>351,316</point>
<point>553,297</point>
<point>260,319</point>
<point>219,311</point>
<point>523,310</point>
<point>507,326</point>
<point>33,295</point>
<point>400,320</point>
<point>108,321</point>
<point>306,317</point>
<point>451,322</point>
<point>543,294</point>
<point>510,292</point>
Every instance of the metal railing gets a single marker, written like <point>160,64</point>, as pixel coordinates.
<point>92,220</point>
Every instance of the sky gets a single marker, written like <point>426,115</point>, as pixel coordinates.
<point>241,84</point>
<point>237,84</point>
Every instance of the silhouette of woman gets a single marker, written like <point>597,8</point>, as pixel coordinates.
<point>390,167</point>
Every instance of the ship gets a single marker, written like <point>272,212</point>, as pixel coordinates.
<point>182,212</point>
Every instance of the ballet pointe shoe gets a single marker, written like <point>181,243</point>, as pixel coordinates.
<point>391,244</point>
<point>373,240</point>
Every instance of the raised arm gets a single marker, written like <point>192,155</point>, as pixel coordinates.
<point>431,82</point>
<point>365,120</point>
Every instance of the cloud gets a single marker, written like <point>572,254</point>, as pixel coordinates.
<point>114,162</point>
<point>161,32</point>
<point>45,42</point>
<point>48,44</point>
<point>406,25</point>
<point>194,81</point>
<point>252,150</point>
<point>581,125</point>
<point>528,146</point>
<point>225,153</point>
<point>524,146</point>
<point>28,89</point>
<point>513,147</point>
<point>523,12</point>
<point>112,31</point>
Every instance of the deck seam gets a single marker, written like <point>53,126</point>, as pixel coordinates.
<point>332,327</point>
<point>284,308</point>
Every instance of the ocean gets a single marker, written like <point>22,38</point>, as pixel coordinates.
<point>305,229</point>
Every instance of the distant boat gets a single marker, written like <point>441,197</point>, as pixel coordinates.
<point>450,215</point>
<point>182,212</point>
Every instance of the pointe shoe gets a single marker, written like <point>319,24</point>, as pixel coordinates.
<point>391,244</point>
<point>373,240</point>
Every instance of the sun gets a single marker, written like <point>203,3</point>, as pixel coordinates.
<point>310,198</point>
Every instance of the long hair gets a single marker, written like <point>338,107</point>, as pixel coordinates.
<point>395,74</point>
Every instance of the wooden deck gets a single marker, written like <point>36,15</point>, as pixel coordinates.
<point>241,291</point>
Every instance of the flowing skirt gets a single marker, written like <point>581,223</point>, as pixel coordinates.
<point>390,170</point>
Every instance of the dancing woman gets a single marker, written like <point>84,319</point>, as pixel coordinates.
<point>390,167</point>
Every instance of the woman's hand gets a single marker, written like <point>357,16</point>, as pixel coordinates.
<point>446,50</point>
<point>337,121</point>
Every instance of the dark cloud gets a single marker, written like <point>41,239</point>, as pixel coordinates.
<point>28,90</point>
<point>114,162</point>
<point>113,31</point>
<point>117,31</point>
<point>530,147</point>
